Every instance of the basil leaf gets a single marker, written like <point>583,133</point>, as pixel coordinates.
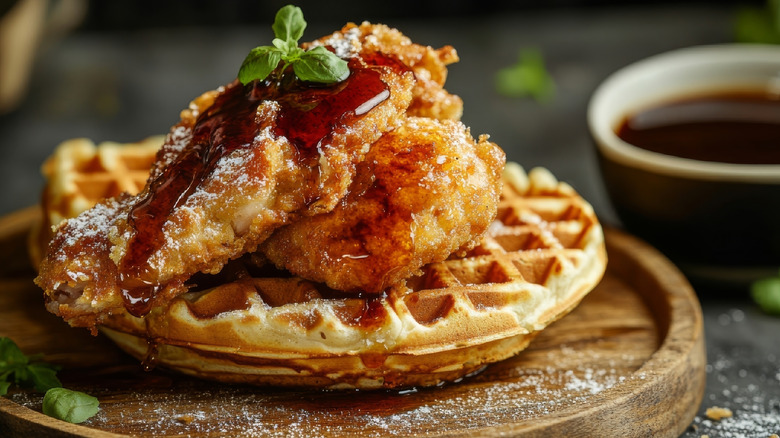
<point>4,388</point>
<point>320,65</point>
<point>289,23</point>
<point>70,406</point>
<point>260,62</point>
<point>10,354</point>
<point>316,65</point>
<point>4,373</point>
<point>766,293</point>
<point>44,376</point>
<point>21,375</point>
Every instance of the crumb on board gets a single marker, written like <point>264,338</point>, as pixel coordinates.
<point>185,419</point>
<point>717,414</point>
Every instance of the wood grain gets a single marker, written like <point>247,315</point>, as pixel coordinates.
<point>628,362</point>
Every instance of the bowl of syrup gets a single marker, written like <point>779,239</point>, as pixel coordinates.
<point>688,144</point>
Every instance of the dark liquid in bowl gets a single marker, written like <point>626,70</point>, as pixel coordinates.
<point>728,127</point>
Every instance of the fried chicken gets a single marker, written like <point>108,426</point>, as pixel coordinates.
<point>426,190</point>
<point>239,165</point>
<point>429,98</point>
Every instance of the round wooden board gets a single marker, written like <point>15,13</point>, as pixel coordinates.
<point>628,362</point>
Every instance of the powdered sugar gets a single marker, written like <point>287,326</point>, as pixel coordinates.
<point>741,379</point>
<point>509,394</point>
<point>344,44</point>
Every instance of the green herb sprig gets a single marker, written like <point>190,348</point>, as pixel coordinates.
<point>316,65</point>
<point>766,293</point>
<point>22,370</point>
<point>528,77</point>
<point>29,371</point>
<point>759,25</point>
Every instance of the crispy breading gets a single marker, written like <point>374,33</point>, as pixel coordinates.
<point>425,191</point>
<point>250,192</point>
<point>430,99</point>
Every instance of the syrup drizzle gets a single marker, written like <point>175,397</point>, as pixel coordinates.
<point>151,358</point>
<point>309,115</point>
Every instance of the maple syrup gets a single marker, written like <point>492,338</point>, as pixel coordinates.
<point>151,358</point>
<point>726,127</point>
<point>372,314</point>
<point>309,114</point>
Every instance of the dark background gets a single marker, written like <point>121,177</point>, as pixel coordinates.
<point>113,15</point>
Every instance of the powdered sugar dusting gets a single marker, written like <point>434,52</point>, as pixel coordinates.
<point>344,44</point>
<point>743,380</point>
<point>89,227</point>
<point>509,394</point>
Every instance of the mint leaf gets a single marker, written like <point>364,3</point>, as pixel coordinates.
<point>10,354</point>
<point>16,367</point>
<point>70,406</point>
<point>316,65</point>
<point>44,376</point>
<point>260,62</point>
<point>766,293</point>
<point>320,65</point>
<point>289,23</point>
<point>528,77</point>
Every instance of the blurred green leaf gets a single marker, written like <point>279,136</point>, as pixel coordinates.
<point>766,293</point>
<point>526,78</point>
<point>759,25</point>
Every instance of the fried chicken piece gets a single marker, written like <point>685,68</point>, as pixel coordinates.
<point>430,99</point>
<point>426,190</point>
<point>237,166</point>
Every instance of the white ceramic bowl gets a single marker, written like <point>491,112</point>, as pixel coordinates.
<point>711,218</point>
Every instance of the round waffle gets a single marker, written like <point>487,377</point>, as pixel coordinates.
<point>79,174</point>
<point>541,256</point>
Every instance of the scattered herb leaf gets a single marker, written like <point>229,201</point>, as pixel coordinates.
<point>16,367</point>
<point>23,370</point>
<point>759,25</point>
<point>526,78</point>
<point>71,406</point>
<point>44,376</point>
<point>766,293</point>
<point>316,65</point>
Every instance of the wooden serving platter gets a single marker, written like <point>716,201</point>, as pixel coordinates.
<point>628,362</point>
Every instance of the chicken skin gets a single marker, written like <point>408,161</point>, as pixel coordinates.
<point>425,190</point>
<point>429,98</point>
<point>243,161</point>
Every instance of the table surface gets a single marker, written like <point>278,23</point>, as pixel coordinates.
<point>124,86</point>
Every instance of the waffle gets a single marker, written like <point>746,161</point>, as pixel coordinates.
<point>541,256</point>
<point>79,174</point>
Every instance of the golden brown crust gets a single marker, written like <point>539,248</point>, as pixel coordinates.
<point>259,189</point>
<point>542,256</point>
<point>425,190</point>
<point>429,65</point>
